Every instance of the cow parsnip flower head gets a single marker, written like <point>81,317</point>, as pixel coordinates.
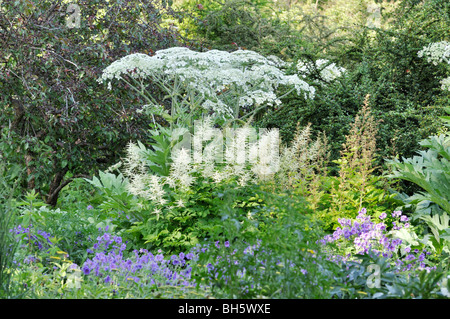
<point>225,80</point>
<point>436,53</point>
<point>328,71</point>
<point>445,84</point>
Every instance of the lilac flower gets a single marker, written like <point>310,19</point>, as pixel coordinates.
<point>109,259</point>
<point>383,216</point>
<point>396,213</point>
<point>227,244</point>
<point>86,270</point>
<point>89,207</point>
<point>189,256</point>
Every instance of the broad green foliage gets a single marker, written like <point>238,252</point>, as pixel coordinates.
<point>112,184</point>
<point>440,229</point>
<point>115,189</point>
<point>430,170</point>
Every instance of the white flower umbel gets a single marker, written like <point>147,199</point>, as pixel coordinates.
<point>327,71</point>
<point>225,81</point>
<point>445,84</point>
<point>436,53</point>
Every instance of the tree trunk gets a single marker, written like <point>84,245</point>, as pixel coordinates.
<point>55,187</point>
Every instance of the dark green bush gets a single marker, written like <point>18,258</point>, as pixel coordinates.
<point>58,119</point>
<point>404,89</point>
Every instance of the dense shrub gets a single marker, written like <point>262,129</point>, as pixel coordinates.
<point>232,24</point>
<point>52,108</point>
<point>405,90</point>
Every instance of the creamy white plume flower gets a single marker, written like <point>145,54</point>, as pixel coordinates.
<point>205,134</point>
<point>114,167</point>
<point>218,176</point>
<point>249,158</point>
<point>181,168</point>
<point>245,179</point>
<point>436,53</point>
<point>180,203</point>
<point>296,159</point>
<point>156,211</point>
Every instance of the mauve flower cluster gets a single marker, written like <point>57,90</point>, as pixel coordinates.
<point>109,264</point>
<point>35,240</point>
<point>364,235</point>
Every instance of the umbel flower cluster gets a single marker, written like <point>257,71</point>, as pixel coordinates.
<point>436,53</point>
<point>223,79</point>
<point>40,241</point>
<point>324,68</point>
